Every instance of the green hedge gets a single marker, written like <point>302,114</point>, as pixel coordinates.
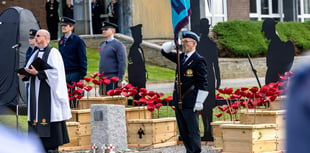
<point>242,37</point>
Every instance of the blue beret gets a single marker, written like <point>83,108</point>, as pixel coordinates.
<point>189,34</point>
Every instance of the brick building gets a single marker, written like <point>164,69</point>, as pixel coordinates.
<point>155,15</point>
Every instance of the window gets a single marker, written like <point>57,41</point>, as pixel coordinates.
<point>215,11</point>
<point>260,9</point>
<point>303,7</point>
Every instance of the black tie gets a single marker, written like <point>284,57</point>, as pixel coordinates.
<point>184,59</point>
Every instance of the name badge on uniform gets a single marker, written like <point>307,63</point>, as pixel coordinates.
<point>189,73</point>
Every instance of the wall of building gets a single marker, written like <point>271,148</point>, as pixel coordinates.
<point>37,7</point>
<point>238,9</point>
<point>155,16</point>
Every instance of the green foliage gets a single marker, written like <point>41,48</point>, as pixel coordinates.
<point>242,37</point>
<point>299,33</point>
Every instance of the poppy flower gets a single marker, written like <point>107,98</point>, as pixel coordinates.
<point>88,79</point>
<point>111,93</point>
<point>142,90</point>
<point>137,102</point>
<point>243,88</point>
<point>117,91</point>
<point>142,100</point>
<point>168,99</point>
<point>79,91</point>
<point>106,81</point>
<point>114,79</point>
<point>228,91</point>
<point>96,82</point>
<point>150,107</point>
<point>158,105</point>
<point>79,96</point>
<point>94,75</point>
<point>254,89</point>
<point>88,88</point>
<point>221,91</point>
<point>219,115</point>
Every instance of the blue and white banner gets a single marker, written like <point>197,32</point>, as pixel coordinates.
<point>180,12</point>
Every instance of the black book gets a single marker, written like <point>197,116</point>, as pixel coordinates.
<point>38,64</point>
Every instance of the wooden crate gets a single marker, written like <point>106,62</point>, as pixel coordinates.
<point>73,131</point>
<point>138,113</point>
<point>159,132</point>
<point>278,104</point>
<point>80,115</point>
<point>249,138</point>
<point>217,132</point>
<point>263,117</point>
<point>116,100</point>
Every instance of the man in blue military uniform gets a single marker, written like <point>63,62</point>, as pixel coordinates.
<point>32,44</point>
<point>193,70</point>
<point>112,56</point>
<point>73,52</point>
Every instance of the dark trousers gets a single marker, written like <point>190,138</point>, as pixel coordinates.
<point>70,78</point>
<point>188,123</point>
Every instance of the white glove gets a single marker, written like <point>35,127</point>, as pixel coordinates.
<point>201,97</point>
<point>168,46</point>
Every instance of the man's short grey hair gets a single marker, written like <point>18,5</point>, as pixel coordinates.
<point>47,34</point>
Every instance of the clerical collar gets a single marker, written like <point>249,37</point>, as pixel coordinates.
<point>43,49</point>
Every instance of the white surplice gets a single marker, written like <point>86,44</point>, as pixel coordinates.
<point>56,79</point>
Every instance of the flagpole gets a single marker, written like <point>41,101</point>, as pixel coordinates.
<point>179,77</point>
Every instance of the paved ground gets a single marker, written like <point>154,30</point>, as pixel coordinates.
<point>168,87</point>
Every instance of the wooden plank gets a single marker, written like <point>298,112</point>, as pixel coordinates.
<point>72,128</point>
<point>73,148</point>
<point>263,117</point>
<point>85,102</point>
<point>84,129</point>
<point>138,113</point>
<point>84,140</point>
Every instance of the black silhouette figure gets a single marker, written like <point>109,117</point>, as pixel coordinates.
<point>280,55</point>
<point>207,48</point>
<point>136,63</point>
<point>140,133</point>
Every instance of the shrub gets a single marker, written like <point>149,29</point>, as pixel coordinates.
<point>237,38</point>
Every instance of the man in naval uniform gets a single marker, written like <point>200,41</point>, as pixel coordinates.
<point>73,52</point>
<point>48,106</point>
<point>193,70</point>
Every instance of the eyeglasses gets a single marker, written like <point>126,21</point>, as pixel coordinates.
<point>39,35</point>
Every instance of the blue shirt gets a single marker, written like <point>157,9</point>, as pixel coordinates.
<point>113,58</point>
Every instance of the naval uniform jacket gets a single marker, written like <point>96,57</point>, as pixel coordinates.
<point>193,73</point>
<point>73,52</point>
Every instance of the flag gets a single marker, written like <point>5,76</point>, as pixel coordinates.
<point>180,12</point>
